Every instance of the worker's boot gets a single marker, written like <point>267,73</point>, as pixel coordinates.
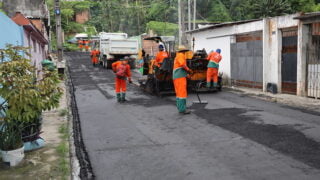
<point>183,107</point>
<point>208,84</point>
<point>123,97</point>
<point>118,97</point>
<point>215,85</point>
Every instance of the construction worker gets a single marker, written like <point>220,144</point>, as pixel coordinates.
<point>214,59</point>
<point>162,54</point>
<point>95,56</point>
<point>180,71</point>
<point>122,70</point>
<point>86,42</point>
<point>80,44</point>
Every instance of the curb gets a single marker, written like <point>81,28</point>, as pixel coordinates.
<point>80,162</point>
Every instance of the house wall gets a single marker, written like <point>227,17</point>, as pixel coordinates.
<point>37,50</point>
<point>271,35</point>
<point>212,40</point>
<point>10,32</point>
<point>272,46</point>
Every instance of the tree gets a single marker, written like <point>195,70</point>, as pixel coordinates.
<point>271,8</point>
<point>302,5</point>
<point>163,28</point>
<point>219,12</point>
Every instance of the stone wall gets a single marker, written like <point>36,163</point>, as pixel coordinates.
<point>34,8</point>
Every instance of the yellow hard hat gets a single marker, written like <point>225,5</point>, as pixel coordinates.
<point>182,48</point>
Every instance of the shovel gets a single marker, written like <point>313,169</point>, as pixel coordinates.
<point>197,91</point>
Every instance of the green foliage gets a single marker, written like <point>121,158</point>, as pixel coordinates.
<point>163,28</point>
<point>68,12</point>
<point>70,47</point>
<point>26,94</point>
<point>1,7</point>
<point>131,16</point>
<point>10,136</point>
<point>302,5</point>
<point>219,12</point>
<point>63,151</point>
<point>270,8</point>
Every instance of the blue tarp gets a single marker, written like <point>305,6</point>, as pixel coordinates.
<point>10,33</point>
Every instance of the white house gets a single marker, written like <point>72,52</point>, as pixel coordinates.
<point>270,51</point>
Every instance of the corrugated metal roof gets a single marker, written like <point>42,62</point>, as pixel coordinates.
<point>223,24</point>
<point>29,26</point>
<point>308,15</point>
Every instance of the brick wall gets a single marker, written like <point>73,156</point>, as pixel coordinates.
<point>82,17</point>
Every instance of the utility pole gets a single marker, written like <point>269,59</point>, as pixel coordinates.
<point>189,15</point>
<point>179,17</point>
<point>57,13</point>
<point>194,13</point>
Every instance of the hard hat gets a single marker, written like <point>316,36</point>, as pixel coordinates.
<point>218,51</point>
<point>126,58</point>
<point>182,48</point>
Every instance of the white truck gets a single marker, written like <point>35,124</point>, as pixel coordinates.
<point>115,46</point>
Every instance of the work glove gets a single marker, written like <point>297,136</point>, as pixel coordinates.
<point>190,71</point>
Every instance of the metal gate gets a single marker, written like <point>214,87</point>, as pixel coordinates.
<point>247,64</point>
<point>289,61</point>
<point>313,67</point>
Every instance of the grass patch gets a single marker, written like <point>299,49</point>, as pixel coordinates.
<point>63,112</point>
<point>63,152</point>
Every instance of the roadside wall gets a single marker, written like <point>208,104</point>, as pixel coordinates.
<point>34,8</point>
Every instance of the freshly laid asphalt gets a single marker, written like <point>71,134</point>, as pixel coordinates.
<point>233,137</point>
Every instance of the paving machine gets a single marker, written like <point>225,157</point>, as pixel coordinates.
<point>159,80</point>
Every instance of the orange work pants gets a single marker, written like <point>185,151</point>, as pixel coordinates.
<point>121,85</point>
<point>212,74</point>
<point>94,60</point>
<point>180,87</point>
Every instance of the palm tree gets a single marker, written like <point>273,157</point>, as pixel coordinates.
<point>271,8</point>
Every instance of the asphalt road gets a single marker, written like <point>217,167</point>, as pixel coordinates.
<point>233,137</point>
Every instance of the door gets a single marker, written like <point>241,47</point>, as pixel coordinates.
<point>289,61</point>
<point>247,61</point>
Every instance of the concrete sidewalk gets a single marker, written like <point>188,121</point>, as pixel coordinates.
<point>285,99</point>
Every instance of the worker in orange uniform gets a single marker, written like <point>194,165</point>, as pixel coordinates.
<point>122,70</point>
<point>162,54</point>
<point>80,44</point>
<point>214,59</point>
<point>180,72</point>
<point>95,56</point>
<point>86,42</point>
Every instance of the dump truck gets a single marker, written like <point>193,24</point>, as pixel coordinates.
<point>115,46</point>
